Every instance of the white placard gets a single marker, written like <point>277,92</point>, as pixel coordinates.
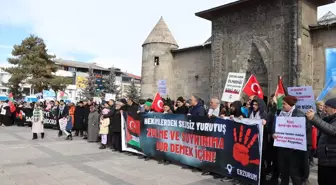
<point>109,96</point>
<point>162,86</point>
<point>233,87</point>
<point>290,133</point>
<point>305,96</point>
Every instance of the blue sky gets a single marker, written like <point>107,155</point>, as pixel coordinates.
<point>106,32</point>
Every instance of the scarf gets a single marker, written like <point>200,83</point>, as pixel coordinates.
<point>61,108</point>
<point>214,112</point>
<point>287,114</point>
<point>37,115</point>
<point>255,115</point>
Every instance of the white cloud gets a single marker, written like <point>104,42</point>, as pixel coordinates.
<point>5,47</point>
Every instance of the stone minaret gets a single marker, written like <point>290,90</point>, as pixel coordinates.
<point>157,60</point>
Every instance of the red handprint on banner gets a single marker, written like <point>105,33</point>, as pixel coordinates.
<point>241,150</point>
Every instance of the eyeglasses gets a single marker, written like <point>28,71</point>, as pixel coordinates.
<point>255,104</point>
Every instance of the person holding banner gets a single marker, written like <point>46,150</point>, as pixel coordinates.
<point>179,107</point>
<point>62,113</point>
<point>293,163</point>
<point>258,111</point>
<point>197,108</point>
<point>327,142</point>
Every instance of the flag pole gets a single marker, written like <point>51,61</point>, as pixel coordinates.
<point>246,82</point>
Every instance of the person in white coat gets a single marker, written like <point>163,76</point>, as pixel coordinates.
<point>37,122</point>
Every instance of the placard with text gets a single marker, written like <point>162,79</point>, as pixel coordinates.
<point>305,96</point>
<point>291,133</point>
<point>233,87</point>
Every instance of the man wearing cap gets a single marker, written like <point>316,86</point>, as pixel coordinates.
<point>327,143</point>
<point>293,163</point>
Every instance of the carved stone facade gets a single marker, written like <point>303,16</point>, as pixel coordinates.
<point>266,38</point>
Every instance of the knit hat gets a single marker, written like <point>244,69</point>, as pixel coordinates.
<point>149,104</point>
<point>331,103</point>
<point>290,100</point>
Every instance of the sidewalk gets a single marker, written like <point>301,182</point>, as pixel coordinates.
<point>54,161</point>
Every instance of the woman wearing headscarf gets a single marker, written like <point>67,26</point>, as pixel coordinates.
<point>293,163</point>
<point>93,124</point>
<point>37,122</point>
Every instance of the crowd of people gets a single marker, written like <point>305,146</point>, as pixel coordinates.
<point>102,123</point>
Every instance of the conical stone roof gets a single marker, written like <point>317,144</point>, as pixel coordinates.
<point>328,18</point>
<point>160,34</point>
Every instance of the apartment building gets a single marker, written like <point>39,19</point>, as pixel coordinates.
<point>78,72</point>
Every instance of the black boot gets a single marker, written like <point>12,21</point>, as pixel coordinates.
<point>60,133</point>
<point>42,135</point>
<point>102,147</point>
<point>85,136</point>
<point>76,133</point>
<point>34,136</point>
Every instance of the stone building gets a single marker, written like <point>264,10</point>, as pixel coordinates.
<point>266,38</point>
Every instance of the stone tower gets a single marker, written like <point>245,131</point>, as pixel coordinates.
<point>157,59</point>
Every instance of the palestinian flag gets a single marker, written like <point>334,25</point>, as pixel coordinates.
<point>280,93</point>
<point>133,133</point>
<point>12,107</point>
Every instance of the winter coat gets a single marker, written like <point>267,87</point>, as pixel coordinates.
<point>301,156</point>
<point>80,118</point>
<point>327,141</point>
<point>37,126</point>
<point>104,126</point>
<point>116,122</point>
<point>63,114</point>
<point>93,126</point>
<point>237,109</point>
<point>181,110</point>
<point>72,114</point>
<point>197,110</point>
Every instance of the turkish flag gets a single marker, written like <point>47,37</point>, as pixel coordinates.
<point>252,87</point>
<point>157,104</point>
<point>133,125</point>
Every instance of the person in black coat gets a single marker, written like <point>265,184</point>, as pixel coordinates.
<point>80,119</point>
<point>87,106</point>
<point>293,163</point>
<point>116,127</point>
<point>62,111</point>
<point>327,142</point>
<point>179,107</point>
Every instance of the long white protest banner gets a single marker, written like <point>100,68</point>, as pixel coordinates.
<point>291,133</point>
<point>233,87</point>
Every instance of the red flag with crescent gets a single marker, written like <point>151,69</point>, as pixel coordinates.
<point>12,107</point>
<point>133,125</point>
<point>252,87</point>
<point>157,104</point>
